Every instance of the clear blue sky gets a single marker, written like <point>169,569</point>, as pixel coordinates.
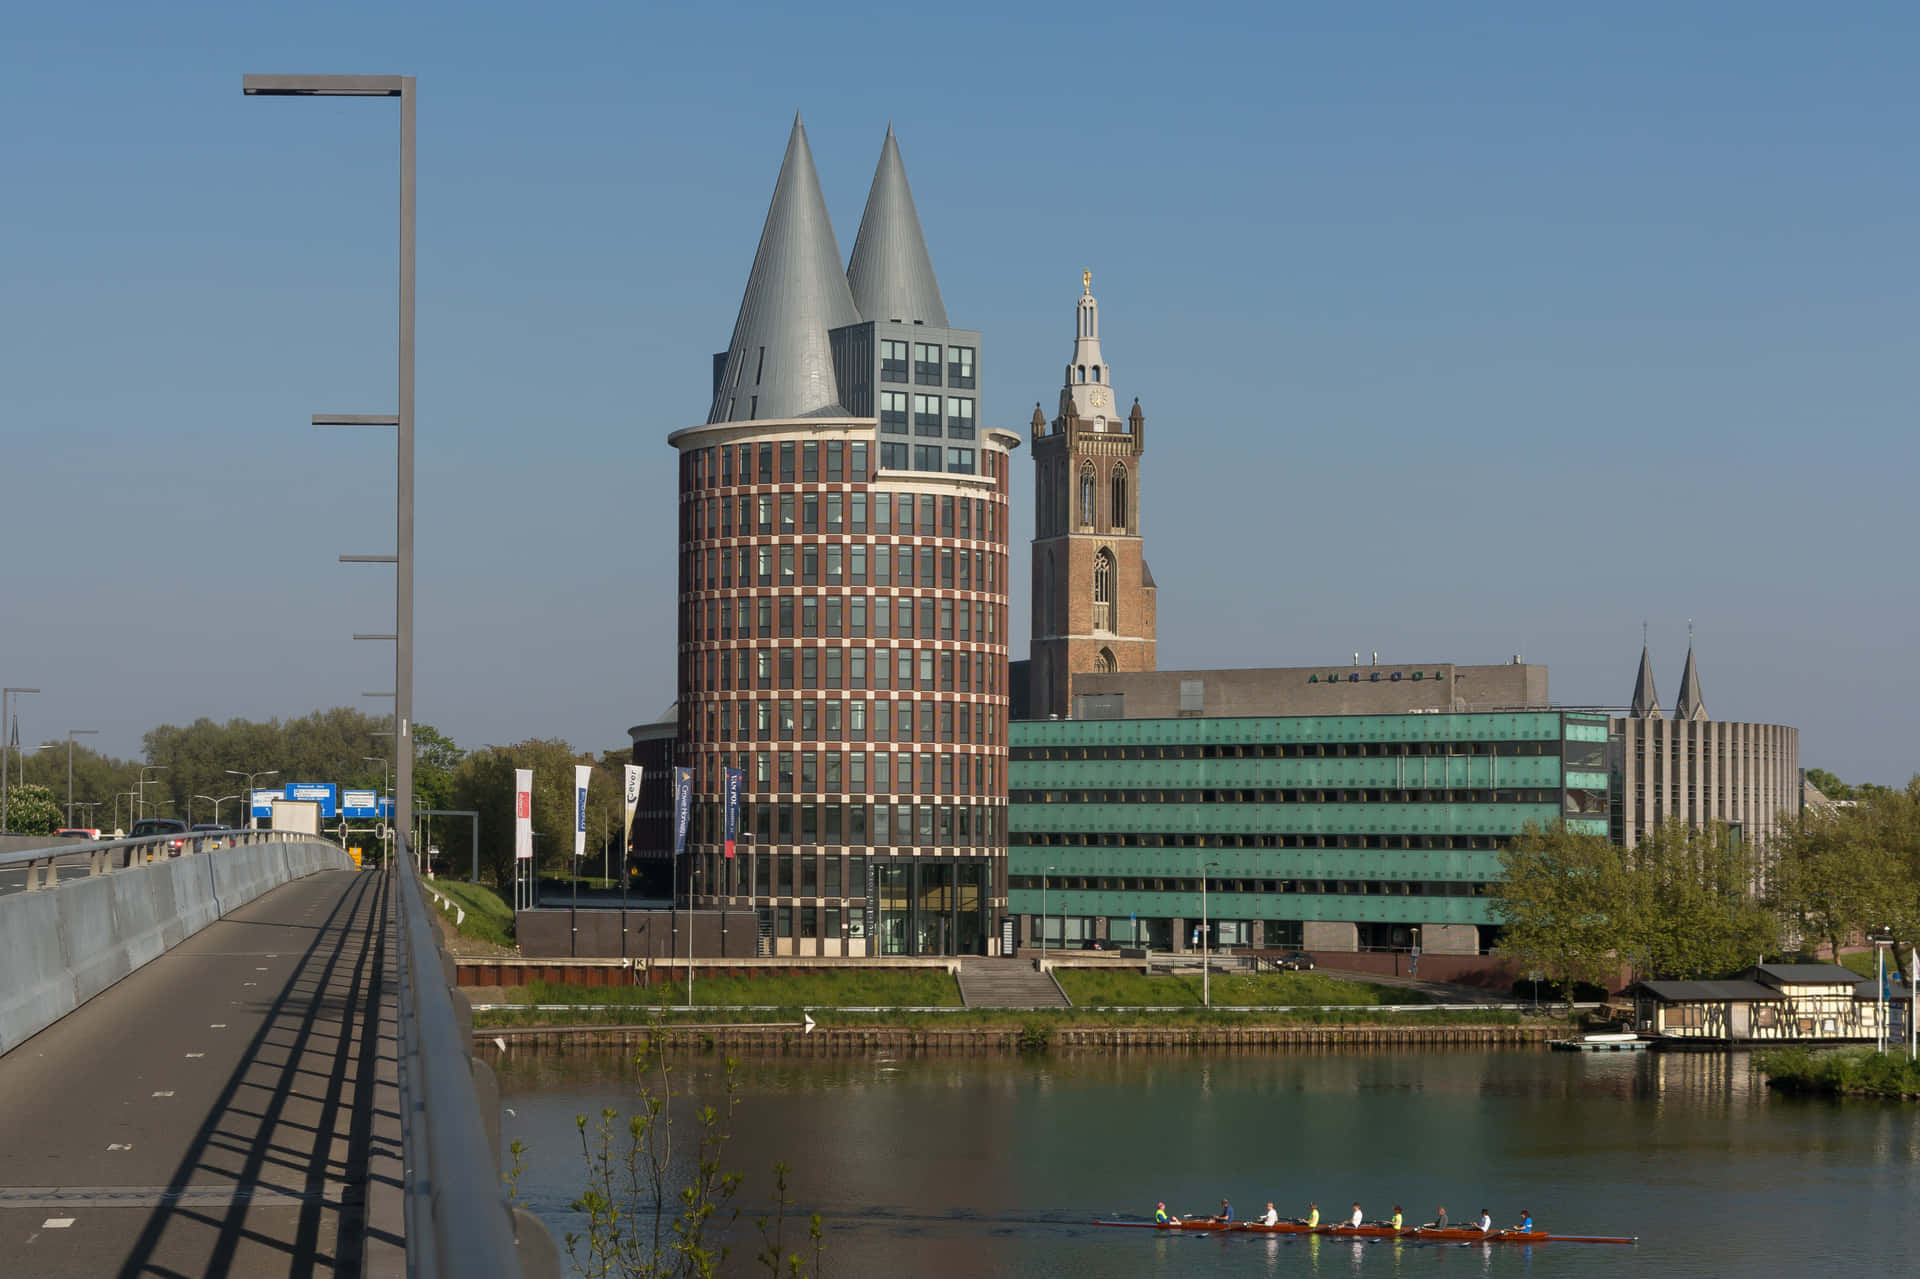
<point>1461,331</point>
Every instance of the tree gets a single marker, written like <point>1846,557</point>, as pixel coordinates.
<point>1822,874</point>
<point>1829,785</point>
<point>435,761</point>
<point>1565,904</point>
<point>32,810</point>
<point>1695,912</point>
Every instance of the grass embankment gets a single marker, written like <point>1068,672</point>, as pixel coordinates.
<point>1840,1072</point>
<point>1109,987</point>
<point>890,988</point>
<point>489,918</point>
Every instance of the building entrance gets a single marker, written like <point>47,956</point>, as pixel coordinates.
<point>933,907</point>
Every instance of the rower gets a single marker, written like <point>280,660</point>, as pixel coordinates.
<point>1486,1222</point>
<point>1226,1213</point>
<point>1526,1222</point>
<point>1358,1219</point>
<point>1270,1217</point>
<point>1160,1217</point>
<point>1312,1219</point>
<point>1397,1218</point>
<point>1439,1221</point>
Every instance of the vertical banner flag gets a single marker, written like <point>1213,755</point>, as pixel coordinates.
<point>682,807</point>
<point>633,802</point>
<point>733,778</point>
<point>523,814</point>
<point>581,772</point>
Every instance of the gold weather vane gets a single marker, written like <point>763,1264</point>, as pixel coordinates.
<point>1086,281</point>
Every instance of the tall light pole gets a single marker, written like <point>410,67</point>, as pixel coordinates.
<point>1043,917</point>
<point>5,750</point>
<point>71,732</point>
<point>401,87</point>
<point>216,807</point>
<point>241,772</point>
<point>144,770</point>
<point>1206,969</point>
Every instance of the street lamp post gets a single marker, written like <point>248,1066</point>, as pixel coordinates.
<point>1043,917</point>
<point>1206,970</point>
<point>219,800</point>
<point>264,772</point>
<point>386,773</point>
<point>401,87</point>
<point>5,750</point>
<point>144,770</point>
<point>83,732</point>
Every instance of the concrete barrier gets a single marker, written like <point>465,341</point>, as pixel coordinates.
<point>60,948</point>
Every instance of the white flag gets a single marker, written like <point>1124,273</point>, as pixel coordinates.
<point>581,772</point>
<point>633,801</point>
<point>523,814</point>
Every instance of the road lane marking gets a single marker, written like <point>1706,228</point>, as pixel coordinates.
<point>167,1093</point>
<point>56,1223</point>
<point>218,1025</point>
<point>115,1145</point>
<point>192,1055</point>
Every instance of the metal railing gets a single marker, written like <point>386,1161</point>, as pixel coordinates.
<point>106,856</point>
<point>459,1223</point>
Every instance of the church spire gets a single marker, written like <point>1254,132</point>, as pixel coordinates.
<point>1088,393</point>
<point>1646,702</point>
<point>1690,705</point>
<point>780,363</point>
<point>891,273</point>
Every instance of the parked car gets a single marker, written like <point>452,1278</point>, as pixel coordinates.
<point>205,828</point>
<point>77,832</point>
<point>1298,961</point>
<point>147,827</point>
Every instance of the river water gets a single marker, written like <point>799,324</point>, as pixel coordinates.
<point>933,1166</point>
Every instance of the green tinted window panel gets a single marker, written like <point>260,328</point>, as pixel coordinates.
<point>1318,907</point>
<point>1587,825</point>
<point>1291,729</point>
<point>1587,781</point>
<point>1586,732</point>
<point>1281,819</point>
<point>1369,773</point>
<point>1476,866</point>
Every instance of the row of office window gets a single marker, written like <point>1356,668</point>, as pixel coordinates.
<point>843,564</point>
<point>926,457</point>
<point>844,669</point>
<point>785,514</point>
<point>879,825</point>
<point>1333,887</point>
<point>956,423</point>
<point>791,461</point>
<point>842,616</point>
<point>1287,796</point>
<point>926,363</point>
<point>836,720</point>
<point>857,772</point>
<point>1084,839</point>
<point>1293,750</point>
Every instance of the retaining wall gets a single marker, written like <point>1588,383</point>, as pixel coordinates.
<point>61,947</point>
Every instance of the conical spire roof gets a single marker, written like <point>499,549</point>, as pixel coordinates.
<point>1691,705</point>
<point>891,274</point>
<point>1646,702</point>
<point>779,363</point>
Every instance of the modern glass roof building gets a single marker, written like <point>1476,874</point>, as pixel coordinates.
<point>1327,832</point>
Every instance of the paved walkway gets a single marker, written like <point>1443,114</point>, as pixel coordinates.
<point>229,1109</point>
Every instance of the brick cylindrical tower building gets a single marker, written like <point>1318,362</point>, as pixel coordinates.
<point>843,600</point>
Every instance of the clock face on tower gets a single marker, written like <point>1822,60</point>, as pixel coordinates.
<point>1098,399</point>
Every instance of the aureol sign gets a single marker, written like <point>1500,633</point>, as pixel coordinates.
<point>364,804</point>
<point>325,794</point>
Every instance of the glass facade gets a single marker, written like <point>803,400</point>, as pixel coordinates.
<point>1378,825</point>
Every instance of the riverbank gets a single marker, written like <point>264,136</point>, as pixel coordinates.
<point>844,1032</point>
<point>1841,1072</point>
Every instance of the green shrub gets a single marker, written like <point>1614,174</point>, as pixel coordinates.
<point>489,918</point>
<point>1840,1072</point>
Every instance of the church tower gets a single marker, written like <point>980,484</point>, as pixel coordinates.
<point>1093,595</point>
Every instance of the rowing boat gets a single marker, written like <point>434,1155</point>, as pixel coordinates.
<point>1451,1234</point>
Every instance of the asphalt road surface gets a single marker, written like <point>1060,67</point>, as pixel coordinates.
<point>229,1109</point>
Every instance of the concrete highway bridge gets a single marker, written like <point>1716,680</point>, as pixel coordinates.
<point>241,1056</point>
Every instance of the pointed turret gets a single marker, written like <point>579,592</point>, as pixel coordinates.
<point>1690,705</point>
<point>1088,393</point>
<point>891,274</point>
<point>1646,702</point>
<point>779,363</point>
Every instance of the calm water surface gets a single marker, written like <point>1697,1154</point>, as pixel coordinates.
<point>936,1166</point>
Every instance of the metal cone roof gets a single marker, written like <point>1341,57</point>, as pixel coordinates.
<point>891,274</point>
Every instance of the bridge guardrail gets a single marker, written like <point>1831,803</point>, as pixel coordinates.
<point>42,863</point>
<point>459,1223</point>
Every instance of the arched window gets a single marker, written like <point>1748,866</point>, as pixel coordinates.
<point>1096,372</point>
<point>1118,513</point>
<point>1103,590</point>
<point>1104,664</point>
<point>1086,496</point>
<point>1082,373</point>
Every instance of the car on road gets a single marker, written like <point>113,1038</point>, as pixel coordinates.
<point>206,828</point>
<point>77,832</point>
<point>147,827</point>
<point>1296,961</point>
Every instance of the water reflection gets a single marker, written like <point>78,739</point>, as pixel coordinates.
<point>995,1165</point>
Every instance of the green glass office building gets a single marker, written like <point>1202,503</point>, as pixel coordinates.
<point>1325,832</point>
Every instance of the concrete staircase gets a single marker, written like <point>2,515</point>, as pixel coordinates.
<point>1008,983</point>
